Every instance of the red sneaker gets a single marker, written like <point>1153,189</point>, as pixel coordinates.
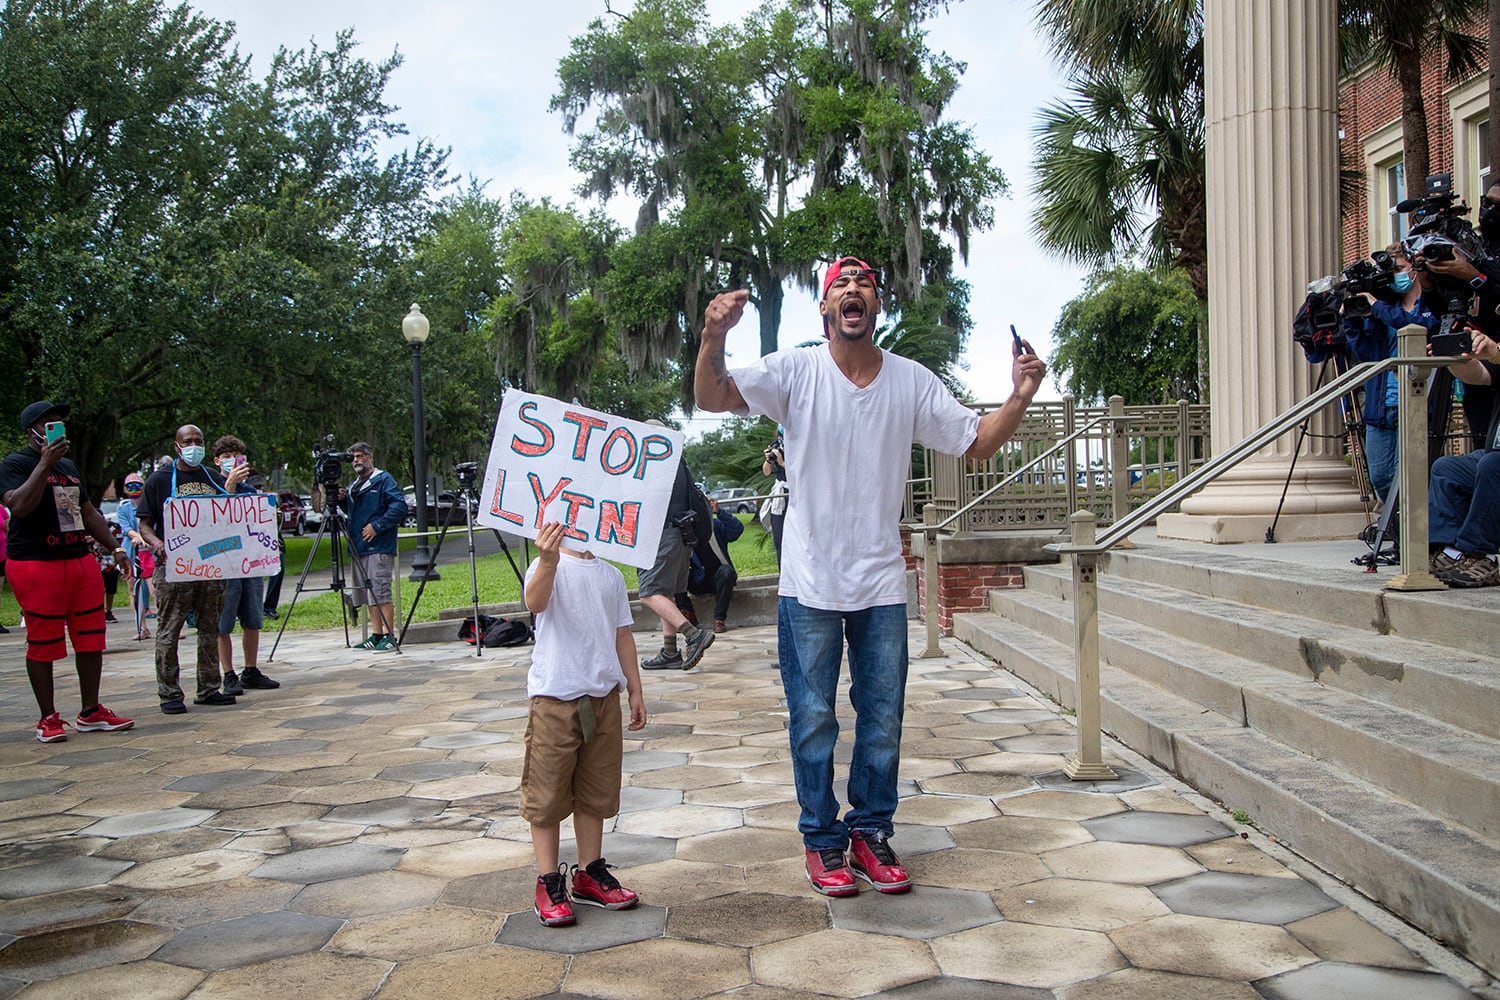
<point>552,906</point>
<point>595,886</point>
<point>102,720</point>
<point>51,729</point>
<point>829,873</point>
<point>872,859</point>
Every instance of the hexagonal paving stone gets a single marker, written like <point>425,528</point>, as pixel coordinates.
<point>679,821</point>
<point>322,864</point>
<point>1337,981</point>
<point>746,918</point>
<point>131,979</point>
<point>57,876</point>
<point>387,811</point>
<point>1040,743</point>
<point>75,949</point>
<point>318,722</point>
<point>1090,906</point>
<point>214,901</point>
<point>1027,955</point>
<point>596,929</point>
<point>466,857</point>
<point>1128,984</point>
<point>626,850</point>
<point>279,748</point>
<point>215,780</point>
<point>457,741</point>
<point>152,821</point>
<point>1233,854</point>
<point>1073,804</point>
<point>426,930</point>
<point>1130,864</point>
<point>1127,779</point>
<point>176,871</point>
<point>741,846</point>
<point>76,907</point>
<point>366,895</point>
<point>838,962</point>
<point>1010,716</point>
<point>1029,834</point>
<point>969,783</point>
<point>636,799</point>
<point>945,810</point>
<point>967,868</point>
<point>245,940</point>
<point>1342,936</point>
<point>10,791</point>
<point>925,914</point>
<point>980,693</point>
<point>432,770</point>
<point>1203,946</point>
<point>910,839</point>
<point>676,883</point>
<point>949,988</point>
<point>318,975</point>
<point>1255,898</point>
<point>1162,829</point>
<point>493,971</point>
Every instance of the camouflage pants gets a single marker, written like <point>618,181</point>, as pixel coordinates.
<point>175,601</point>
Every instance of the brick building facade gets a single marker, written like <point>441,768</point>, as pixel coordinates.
<point>1370,142</point>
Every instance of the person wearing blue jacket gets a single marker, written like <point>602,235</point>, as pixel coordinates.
<point>710,570</point>
<point>1373,338</point>
<point>374,507</point>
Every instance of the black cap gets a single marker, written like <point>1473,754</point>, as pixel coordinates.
<point>40,409</point>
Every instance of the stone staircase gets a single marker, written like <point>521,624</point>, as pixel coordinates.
<point>1361,727</point>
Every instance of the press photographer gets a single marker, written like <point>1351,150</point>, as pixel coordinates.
<point>374,506</point>
<point>1355,319</point>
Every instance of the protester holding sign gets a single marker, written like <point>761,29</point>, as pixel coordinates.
<point>56,580</point>
<point>244,596</point>
<point>188,476</point>
<point>852,412</point>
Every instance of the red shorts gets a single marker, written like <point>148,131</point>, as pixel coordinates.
<point>56,596</point>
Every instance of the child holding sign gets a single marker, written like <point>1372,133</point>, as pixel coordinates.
<point>574,743</point>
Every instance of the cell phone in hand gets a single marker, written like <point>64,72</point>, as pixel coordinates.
<point>1018,346</point>
<point>55,430</point>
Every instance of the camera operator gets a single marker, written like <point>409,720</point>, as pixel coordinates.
<point>1483,276</point>
<point>1463,494</point>
<point>375,507</point>
<point>775,465</point>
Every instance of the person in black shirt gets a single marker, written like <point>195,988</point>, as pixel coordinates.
<point>54,574</point>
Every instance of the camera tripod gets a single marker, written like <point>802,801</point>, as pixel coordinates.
<point>1337,364</point>
<point>338,537</point>
<point>469,498</point>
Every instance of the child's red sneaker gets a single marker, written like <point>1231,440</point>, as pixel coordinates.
<point>595,886</point>
<point>552,906</point>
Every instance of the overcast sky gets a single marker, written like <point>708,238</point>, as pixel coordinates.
<point>478,75</point>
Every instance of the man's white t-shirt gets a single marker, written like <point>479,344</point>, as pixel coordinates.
<point>848,456</point>
<point>575,636</point>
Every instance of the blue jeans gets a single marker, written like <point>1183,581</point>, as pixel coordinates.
<point>1381,450</point>
<point>1463,502</point>
<point>811,646</point>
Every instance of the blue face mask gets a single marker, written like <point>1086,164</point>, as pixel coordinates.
<point>192,454</point>
<point>1401,281</point>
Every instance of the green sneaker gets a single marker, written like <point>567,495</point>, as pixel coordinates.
<point>367,644</point>
<point>386,644</point>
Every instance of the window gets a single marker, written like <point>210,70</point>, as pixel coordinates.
<point>1395,192</point>
<point>1482,156</point>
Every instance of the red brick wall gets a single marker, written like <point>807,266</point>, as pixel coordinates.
<point>965,587</point>
<point>1370,101</point>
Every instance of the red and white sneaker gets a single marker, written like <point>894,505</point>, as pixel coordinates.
<point>552,906</point>
<point>595,886</point>
<point>872,859</point>
<point>51,729</point>
<point>829,873</point>
<point>102,720</point>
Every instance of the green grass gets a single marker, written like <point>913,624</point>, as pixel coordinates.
<point>752,554</point>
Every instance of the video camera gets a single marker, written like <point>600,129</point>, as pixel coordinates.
<point>328,465</point>
<point>1330,300</point>
<point>468,473</point>
<point>1439,232</point>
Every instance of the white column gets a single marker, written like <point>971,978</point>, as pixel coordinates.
<point>1273,215</point>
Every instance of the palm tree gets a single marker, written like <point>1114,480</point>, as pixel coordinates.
<point>1397,34</point>
<point>1120,162</point>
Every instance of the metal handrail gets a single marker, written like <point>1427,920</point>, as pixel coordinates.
<point>1088,763</point>
<point>1125,526</point>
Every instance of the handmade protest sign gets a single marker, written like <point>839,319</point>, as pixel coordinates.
<point>606,478</point>
<point>220,537</point>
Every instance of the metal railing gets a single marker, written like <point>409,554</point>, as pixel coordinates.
<point>1085,548</point>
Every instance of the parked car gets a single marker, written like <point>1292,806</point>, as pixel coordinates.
<point>437,509</point>
<point>312,518</point>
<point>291,513</point>
<point>735,499</point>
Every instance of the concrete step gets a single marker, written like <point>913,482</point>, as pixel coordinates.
<point>1464,620</point>
<point>1447,770</point>
<point>1457,687</point>
<point>1439,874</point>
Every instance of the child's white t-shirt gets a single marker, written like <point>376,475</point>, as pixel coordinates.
<point>575,652</point>
<point>848,455</point>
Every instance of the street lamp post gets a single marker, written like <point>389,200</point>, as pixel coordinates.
<point>414,327</point>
